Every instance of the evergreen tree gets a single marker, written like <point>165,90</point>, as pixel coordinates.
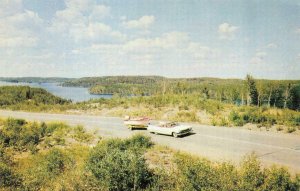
<point>252,90</point>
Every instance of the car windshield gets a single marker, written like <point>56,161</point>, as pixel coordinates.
<point>168,125</point>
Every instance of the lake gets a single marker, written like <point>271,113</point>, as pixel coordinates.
<point>76,94</point>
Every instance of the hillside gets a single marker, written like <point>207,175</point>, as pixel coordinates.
<point>56,156</point>
<point>25,97</point>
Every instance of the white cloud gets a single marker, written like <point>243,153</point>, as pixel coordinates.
<point>142,23</point>
<point>80,5</point>
<point>297,31</point>
<point>227,31</point>
<point>94,32</point>
<point>11,42</point>
<point>172,40</point>
<point>10,7</point>
<point>259,58</point>
<point>123,18</point>
<point>174,47</point>
<point>18,27</point>
<point>81,21</point>
<point>99,12</point>
<point>272,45</point>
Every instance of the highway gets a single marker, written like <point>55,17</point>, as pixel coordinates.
<point>215,143</point>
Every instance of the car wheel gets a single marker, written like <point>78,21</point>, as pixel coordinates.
<point>174,134</point>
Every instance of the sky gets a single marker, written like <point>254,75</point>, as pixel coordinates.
<point>171,38</point>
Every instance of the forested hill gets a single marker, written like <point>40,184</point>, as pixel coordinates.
<point>111,80</point>
<point>35,79</point>
<point>24,97</point>
<point>159,80</point>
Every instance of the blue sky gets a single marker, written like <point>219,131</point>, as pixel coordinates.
<point>172,38</point>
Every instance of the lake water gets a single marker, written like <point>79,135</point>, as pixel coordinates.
<point>76,94</point>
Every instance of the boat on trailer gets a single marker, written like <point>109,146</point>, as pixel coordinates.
<point>136,122</point>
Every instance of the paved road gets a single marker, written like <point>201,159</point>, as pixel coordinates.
<point>216,143</point>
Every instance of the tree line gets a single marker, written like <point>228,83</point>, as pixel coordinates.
<point>250,91</point>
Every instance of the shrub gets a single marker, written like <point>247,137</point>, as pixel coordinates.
<point>279,128</point>
<point>236,119</point>
<point>291,129</point>
<point>139,141</point>
<point>227,176</point>
<point>44,169</point>
<point>251,176</point>
<point>79,134</point>
<point>120,170</point>
<point>277,179</point>
<point>214,121</point>
<point>56,162</point>
<point>117,165</point>
<point>7,177</point>
<point>51,127</point>
<point>223,122</point>
<point>196,174</point>
<point>19,134</point>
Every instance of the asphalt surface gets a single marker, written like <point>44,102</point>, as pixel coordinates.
<point>216,143</point>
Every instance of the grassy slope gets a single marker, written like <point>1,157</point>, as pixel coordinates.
<point>62,159</point>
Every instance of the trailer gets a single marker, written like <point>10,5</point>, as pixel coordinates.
<point>136,122</point>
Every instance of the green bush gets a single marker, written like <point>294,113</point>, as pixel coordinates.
<point>120,170</point>
<point>277,179</point>
<point>138,141</point>
<point>7,177</point>
<point>291,129</point>
<point>227,177</point>
<point>44,169</point>
<point>251,176</point>
<point>56,162</point>
<point>196,174</point>
<point>119,164</point>
<point>19,134</point>
<point>236,119</point>
<point>4,157</point>
<point>79,134</point>
<point>51,127</point>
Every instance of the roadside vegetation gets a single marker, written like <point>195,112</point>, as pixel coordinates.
<point>194,108</point>
<point>55,156</point>
<point>267,105</point>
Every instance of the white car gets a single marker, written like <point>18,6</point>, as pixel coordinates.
<point>170,128</point>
